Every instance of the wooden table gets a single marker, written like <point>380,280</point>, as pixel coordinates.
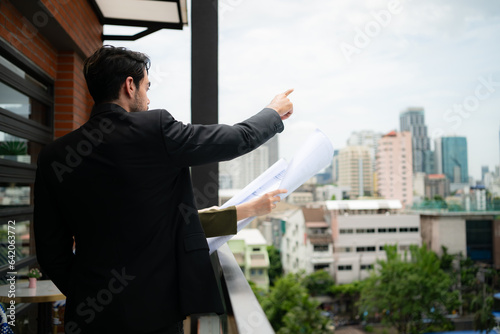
<point>45,293</point>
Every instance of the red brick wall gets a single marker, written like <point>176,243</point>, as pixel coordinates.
<point>72,101</point>
<point>79,20</point>
<point>23,36</point>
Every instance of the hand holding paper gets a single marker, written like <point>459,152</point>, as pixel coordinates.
<point>315,154</point>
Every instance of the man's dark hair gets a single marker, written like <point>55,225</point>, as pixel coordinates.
<point>106,70</point>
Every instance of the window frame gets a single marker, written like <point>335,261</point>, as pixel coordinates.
<point>31,130</point>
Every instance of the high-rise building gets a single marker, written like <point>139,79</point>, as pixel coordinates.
<point>436,184</point>
<point>413,120</point>
<point>335,166</point>
<point>273,150</point>
<point>484,170</point>
<point>366,138</point>
<point>454,159</point>
<point>355,170</point>
<point>438,156</point>
<point>394,167</point>
<point>239,172</point>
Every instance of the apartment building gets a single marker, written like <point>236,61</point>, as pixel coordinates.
<point>361,228</point>
<point>394,167</point>
<point>307,242</point>
<point>250,250</point>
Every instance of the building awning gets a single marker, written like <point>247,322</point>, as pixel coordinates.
<point>152,15</point>
<point>258,261</point>
<point>322,260</point>
<point>320,239</point>
<point>316,224</point>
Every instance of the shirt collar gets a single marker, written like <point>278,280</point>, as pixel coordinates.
<point>105,107</point>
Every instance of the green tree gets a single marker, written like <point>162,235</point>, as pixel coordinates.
<point>259,293</point>
<point>446,260</point>
<point>275,267</point>
<point>483,318</point>
<point>333,198</point>
<point>285,295</point>
<point>348,294</point>
<point>319,282</point>
<point>305,318</point>
<point>412,293</point>
<point>287,299</point>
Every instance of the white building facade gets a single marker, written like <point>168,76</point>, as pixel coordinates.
<point>360,230</point>
<point>307,242</point>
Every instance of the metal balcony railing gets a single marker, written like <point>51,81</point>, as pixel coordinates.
<point>243,312</point>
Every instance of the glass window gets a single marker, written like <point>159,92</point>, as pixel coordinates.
<point>18,149</point>
<point>321,267</point>
<point>345,231</point>
<point>17,105</point>
<point>14,194</point>
<point>321,248</point>
<point>22,105</point>
<point>344,267</point>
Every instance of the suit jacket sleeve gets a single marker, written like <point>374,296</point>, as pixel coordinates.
<point>193,144</point>
<point>218,222</point>
<point>54,240</point>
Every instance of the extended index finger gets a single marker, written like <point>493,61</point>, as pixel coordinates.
<point>278,191</point>
<point>288,91</point>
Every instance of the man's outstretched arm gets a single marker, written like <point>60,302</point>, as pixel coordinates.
<point>194,144</point>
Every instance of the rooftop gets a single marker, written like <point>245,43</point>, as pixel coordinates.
<point>252,236</point>
<point>436,176</point>
<point>313,214</point>
<point>364,204</point>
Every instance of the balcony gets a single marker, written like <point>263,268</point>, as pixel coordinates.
<point>243,311</point>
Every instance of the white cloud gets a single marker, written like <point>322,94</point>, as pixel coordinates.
<point>431,54</point>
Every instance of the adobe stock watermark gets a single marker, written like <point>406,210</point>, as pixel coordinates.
<point>363,37</point>
<point>87,310</point>
<point>225,6</point>
<point>40,19</point>
<point>471,103</point>
<point>156,76</point>
<point>74,155</point>
<point>254,320</point>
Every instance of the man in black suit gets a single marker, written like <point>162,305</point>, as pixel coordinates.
<point>119,187</point>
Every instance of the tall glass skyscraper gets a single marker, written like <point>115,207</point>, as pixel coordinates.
<point>413,120</point>
<point>454,159</point>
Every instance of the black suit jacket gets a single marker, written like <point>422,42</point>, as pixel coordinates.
<point>120,184</point>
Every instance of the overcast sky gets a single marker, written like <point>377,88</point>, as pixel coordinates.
<point>355,65</point>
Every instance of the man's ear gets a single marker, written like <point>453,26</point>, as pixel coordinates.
<point>129,87</point>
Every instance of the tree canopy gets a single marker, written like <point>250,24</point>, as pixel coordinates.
<point>410,292</point>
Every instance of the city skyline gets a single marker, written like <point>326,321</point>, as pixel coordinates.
<point>354,65</point>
